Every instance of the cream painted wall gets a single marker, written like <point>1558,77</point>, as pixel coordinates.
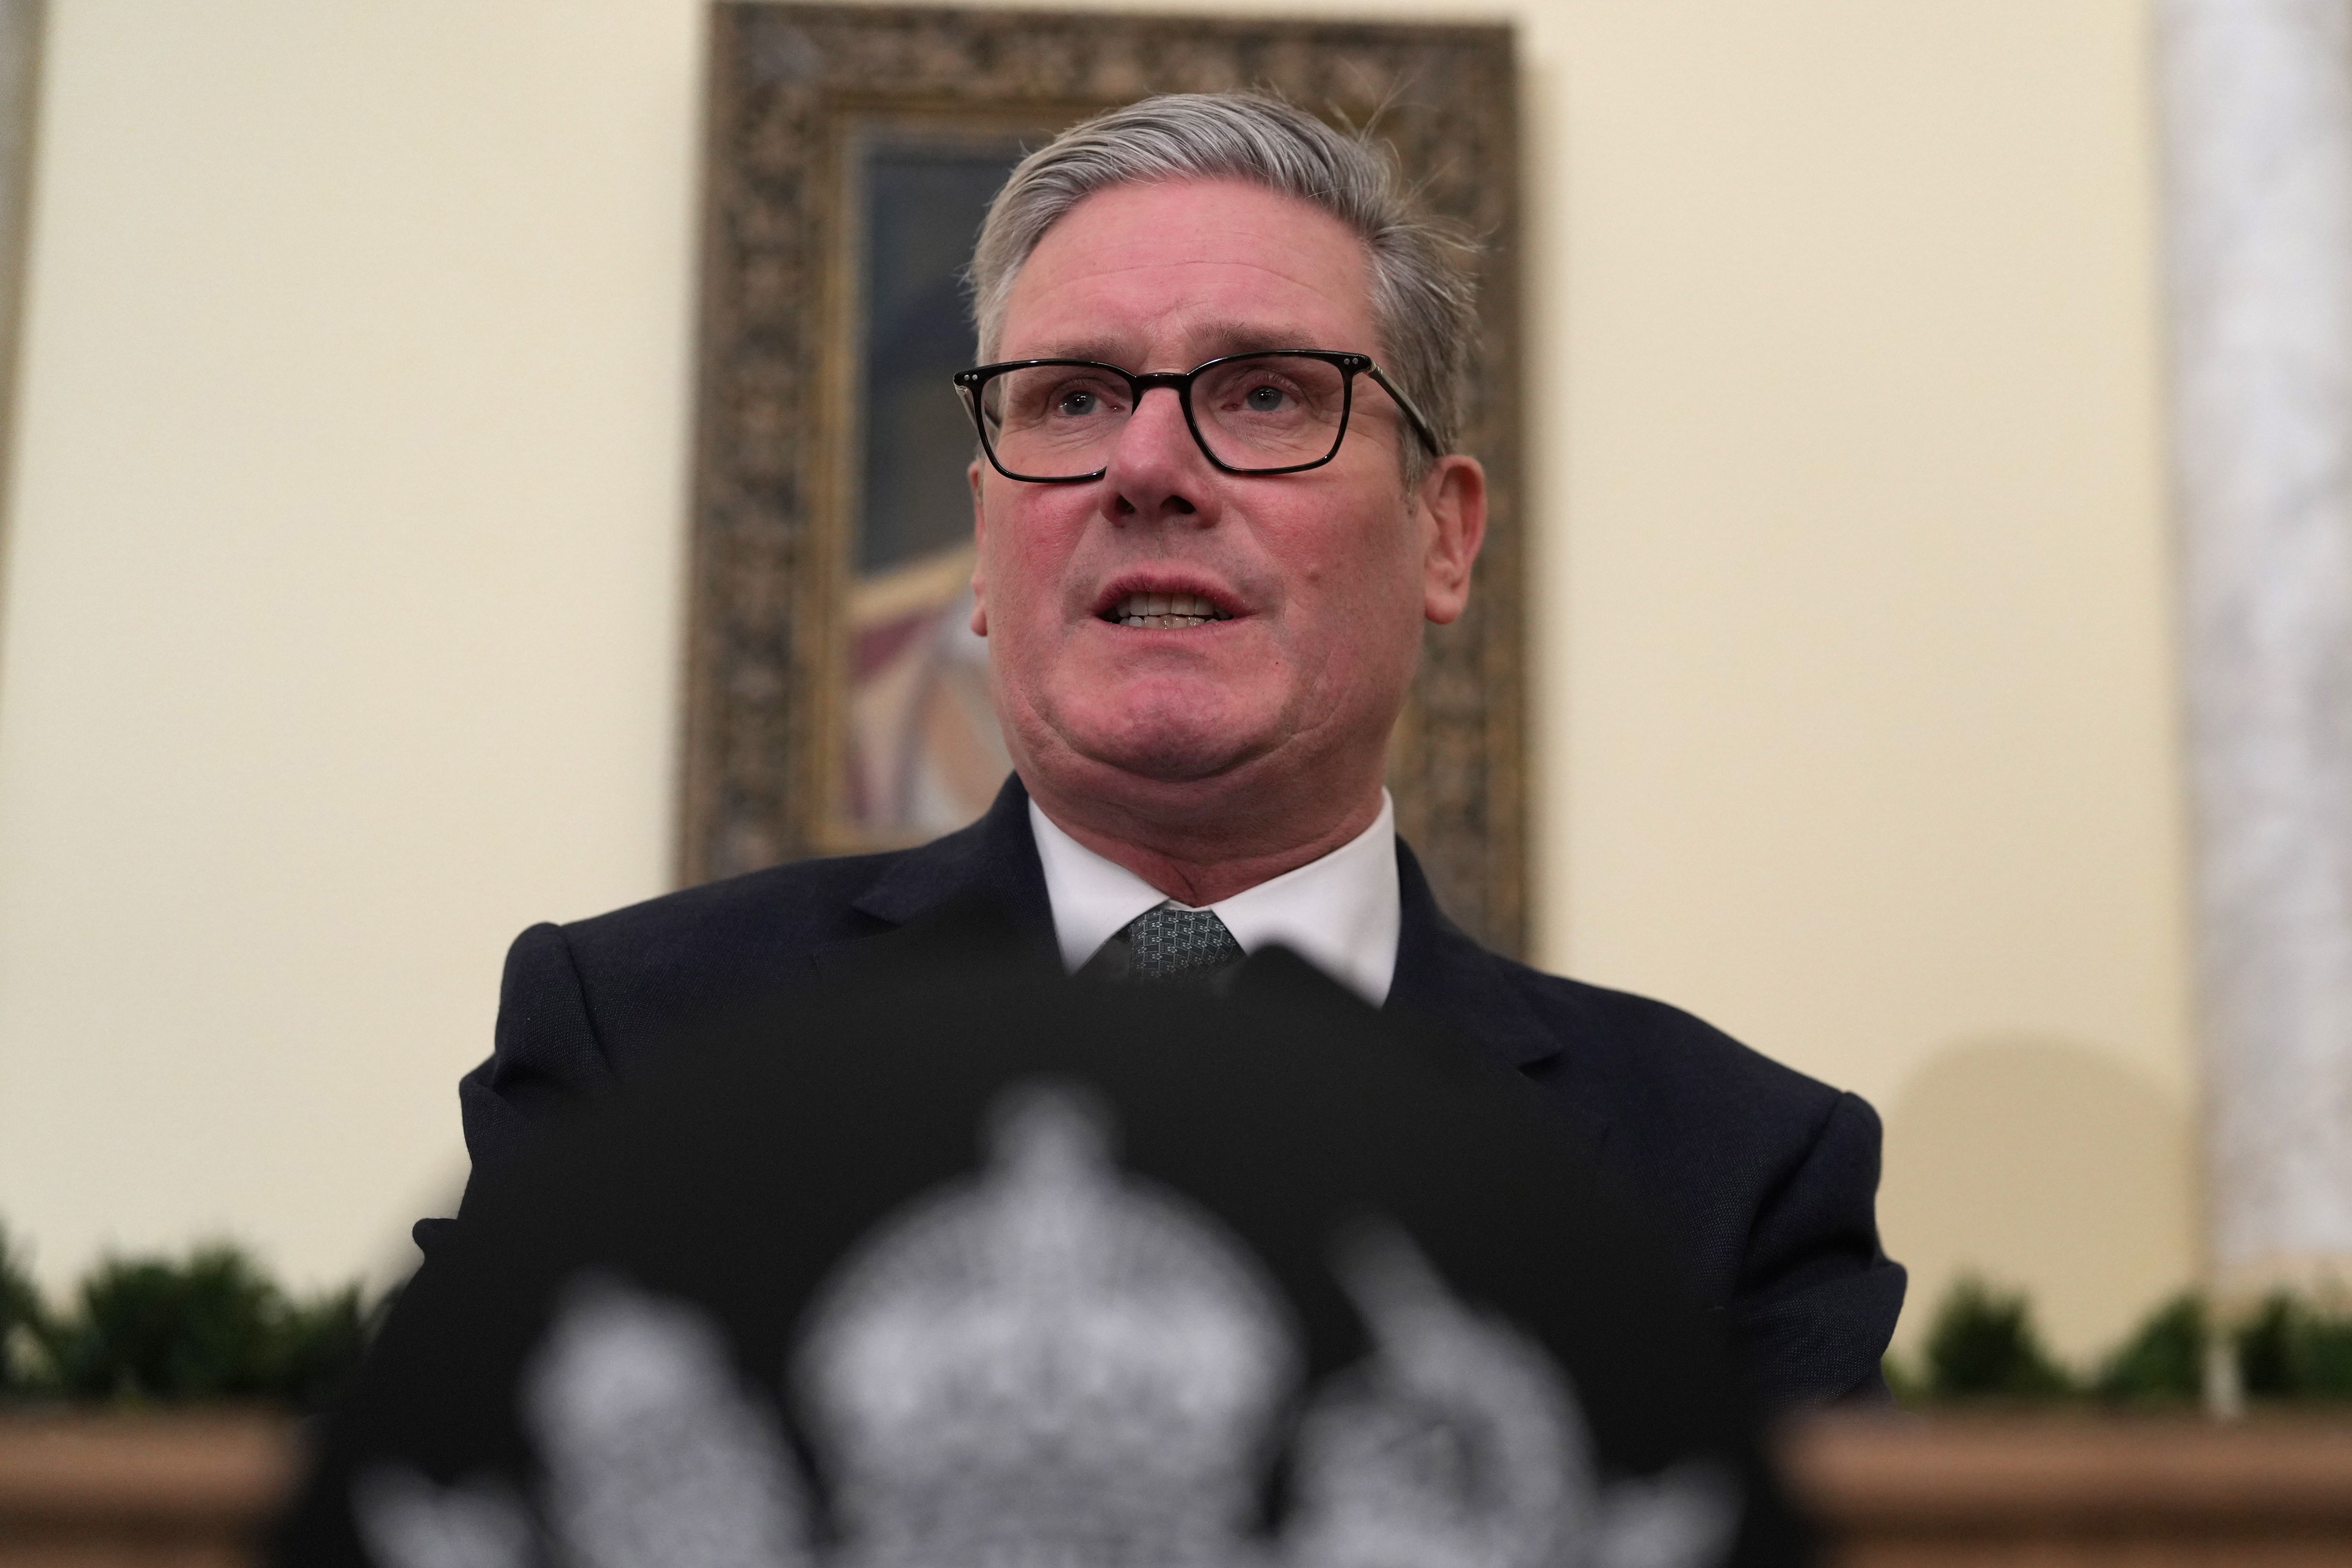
<point>342,590</point>
<point>340,601</point>
<point>1861,730</point>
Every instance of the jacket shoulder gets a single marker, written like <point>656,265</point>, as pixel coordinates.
<point>1654,1054</point>
<point>1773,1177</point>
<point>790,908</point>
<point>637,972</point>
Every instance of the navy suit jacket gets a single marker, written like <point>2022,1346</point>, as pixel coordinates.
<point>1765,1179</point>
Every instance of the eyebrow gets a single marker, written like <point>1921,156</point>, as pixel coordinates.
<point>1076,348</point>
<point>1232,337</point>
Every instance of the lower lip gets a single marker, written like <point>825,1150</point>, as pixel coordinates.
<point>1202,626</point>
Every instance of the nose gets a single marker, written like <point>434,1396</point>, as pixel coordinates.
<point>1157,471</point>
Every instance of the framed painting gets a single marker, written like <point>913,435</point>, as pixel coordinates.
<point>836,697</point>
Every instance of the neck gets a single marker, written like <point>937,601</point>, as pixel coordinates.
<point>1201,862</point>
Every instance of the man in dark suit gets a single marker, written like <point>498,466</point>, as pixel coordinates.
<point>1203,593</point>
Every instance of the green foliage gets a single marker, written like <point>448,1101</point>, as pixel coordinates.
<point>1907,1390</point>
<point>320,1344</point>
<point>2265,1346</point>
<point>2164,1360</point>
<point>2327,1359</point>
<point>1983,1345</point>
<point>213,1326</point>
<point>2291,1350</point>
<point>151,1329</point>
<point>24,1326</point>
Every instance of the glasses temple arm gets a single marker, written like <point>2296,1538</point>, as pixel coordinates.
<point>1420,425</point>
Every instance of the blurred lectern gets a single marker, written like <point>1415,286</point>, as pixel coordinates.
<point>957,1263</point>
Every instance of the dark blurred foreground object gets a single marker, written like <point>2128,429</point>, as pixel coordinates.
<point>993,1267</point>
<point>1763,1179</point>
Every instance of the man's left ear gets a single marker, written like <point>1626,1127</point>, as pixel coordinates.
<point>979,553</point>
<point>1452,498</point>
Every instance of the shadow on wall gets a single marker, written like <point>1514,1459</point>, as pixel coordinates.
<point>2050,1167</point>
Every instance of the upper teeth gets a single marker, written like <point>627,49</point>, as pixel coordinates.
<point>1164,610</point>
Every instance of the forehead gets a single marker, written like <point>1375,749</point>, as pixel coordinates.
<point>1190,269</point>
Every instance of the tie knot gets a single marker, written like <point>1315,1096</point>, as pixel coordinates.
<point>1172,943</point>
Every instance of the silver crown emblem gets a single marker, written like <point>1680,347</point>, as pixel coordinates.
<point>1049,1358</point>
<point>1053,1365</point>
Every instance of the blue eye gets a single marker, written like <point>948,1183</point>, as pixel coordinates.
<point>1263,399</point>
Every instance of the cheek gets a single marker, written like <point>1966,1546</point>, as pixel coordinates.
<point>1003,531</point>
<point>1368,572</point>
<point>1369,601</point>
<point>1026,561</point>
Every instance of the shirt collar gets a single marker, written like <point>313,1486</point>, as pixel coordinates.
<point>1341,912</point>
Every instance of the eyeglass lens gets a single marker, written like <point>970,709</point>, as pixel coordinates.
<point>1264,411</point>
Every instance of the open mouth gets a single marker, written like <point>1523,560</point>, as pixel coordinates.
<point>1164,612</point>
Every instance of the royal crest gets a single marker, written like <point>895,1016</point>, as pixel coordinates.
<point>1055,1365</point>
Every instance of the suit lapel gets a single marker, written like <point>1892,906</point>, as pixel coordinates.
<point>1444,977</point>
<point>1443,974</point>
<point>992,862</point>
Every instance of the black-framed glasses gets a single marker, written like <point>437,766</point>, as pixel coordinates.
<point>1282,411</point>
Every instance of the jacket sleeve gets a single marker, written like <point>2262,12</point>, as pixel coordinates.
<point>545,1056</point>
<point>1817,1298</point>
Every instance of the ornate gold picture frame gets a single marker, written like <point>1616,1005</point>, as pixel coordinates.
<point>830,707</point>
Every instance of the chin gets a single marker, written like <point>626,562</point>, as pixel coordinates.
<point>1173,761</point>
<point>1169,755</point>
<point>1170,742</point>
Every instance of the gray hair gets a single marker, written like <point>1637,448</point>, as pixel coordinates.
<point>1424,302</point>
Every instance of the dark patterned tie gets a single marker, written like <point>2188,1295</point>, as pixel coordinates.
<point>1170,943</point>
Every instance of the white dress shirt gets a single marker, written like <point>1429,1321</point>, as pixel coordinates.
<point>1341,913</point>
